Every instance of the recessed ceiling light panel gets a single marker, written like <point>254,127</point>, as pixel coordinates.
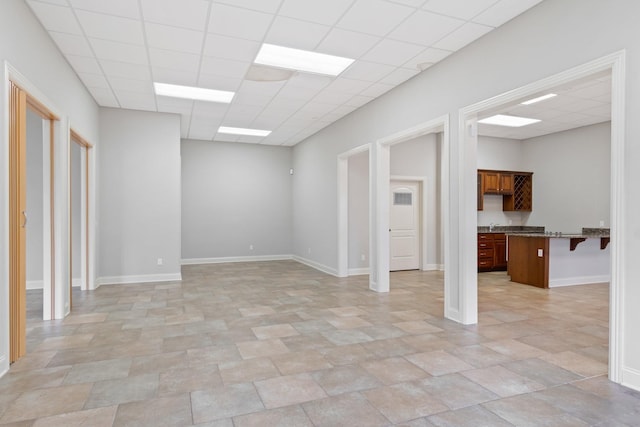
<point>301,60</point>
<point>243,131</point>
<point>538,99</point>
<point>189,92</point>
<point>510,121</point>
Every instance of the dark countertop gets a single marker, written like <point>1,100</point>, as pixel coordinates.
<point>513,229</point>
<point>587,233</point>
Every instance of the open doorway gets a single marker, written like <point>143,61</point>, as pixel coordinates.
<point>79,223</point>
<point>607,72</point>
<point>31,142</point>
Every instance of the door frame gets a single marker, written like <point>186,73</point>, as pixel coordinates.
<point>467,182</point>
<point>85,212</point>
<point>380,177</point>
<point>52,224</point>
<point>343,209</point>
<point>422,212</point>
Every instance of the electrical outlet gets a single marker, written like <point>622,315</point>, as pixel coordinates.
<point>250,247</point>
<point>160,261</point>
<point>601,223</point>
<point>362,257</point>
<point>540,252</point>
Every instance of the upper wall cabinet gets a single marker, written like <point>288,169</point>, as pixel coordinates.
<point>516,189</point>
<point>497,182</point>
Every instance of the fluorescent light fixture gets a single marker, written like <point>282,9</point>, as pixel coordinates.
<point>197,93</point>
<point>538,99</point>
<point>301,60</point>
<point>511,121</point>
<point>243,131</point>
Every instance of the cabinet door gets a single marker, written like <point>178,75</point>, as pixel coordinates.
<point>491,182</point>
<point>506,183</point>
<point>500,251</point>
<point>480,194</point>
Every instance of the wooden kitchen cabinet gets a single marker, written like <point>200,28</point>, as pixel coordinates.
<point>492,251</point>
<point>516,189</point>
<point>495,182</point>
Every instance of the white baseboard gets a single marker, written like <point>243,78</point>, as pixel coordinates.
<point>316,265</point>
<point>631,378</point>
<point>358,271</point>
<point>143,278</point>
<point>35,284</point>
<point>586,280</point>
<point>4,366</point>
<point>222,260</point>
<point>433,267</point>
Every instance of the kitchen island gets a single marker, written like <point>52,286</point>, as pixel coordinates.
<point>549,260</point>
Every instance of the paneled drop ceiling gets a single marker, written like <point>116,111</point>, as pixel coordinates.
<point>579,103</point>
<point>119,48</point>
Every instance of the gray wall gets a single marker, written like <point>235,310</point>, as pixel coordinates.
<point>34,200</point>
<point>358,227</point>
<point>554,36</point>
<point>572,178</point>
<point>139,202</point>
<point>235,195</point>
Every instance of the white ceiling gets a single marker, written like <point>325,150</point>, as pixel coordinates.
<point>579,103</point>
<point>119,47</point>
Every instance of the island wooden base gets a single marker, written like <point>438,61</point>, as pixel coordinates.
<point>529,260</point>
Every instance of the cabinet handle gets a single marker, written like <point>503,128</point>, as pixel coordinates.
<point>24,214</point>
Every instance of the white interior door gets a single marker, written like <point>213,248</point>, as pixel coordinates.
<point>404,226</point>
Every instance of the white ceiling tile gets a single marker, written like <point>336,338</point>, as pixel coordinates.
<point>136,100</point>
<point>174,60</point>
<point>176,77</point>
<point>310,81</point>
<point>241,115</point>
<point>174,105</point>
<point>428,56</point>
<point>295,33</point>
<point>94,80</point>
<point>115,28</point>
<point>212,81</point>
<point>104,97</point>
<point>318,108</point>
<point>399,75</point>
<point>603,110</point>
<point>225,137</point>
<point>375,17</point>
<point>293,92</point>
<point>377,89</point>
<point>347,43</point>
<point>172,38</point>
<point>126,70</point>
<point>358,101</point>
<point>325,12</point>
<point>283,103</point>
<point>125,8</point>
<point>203,129</point>
<point>351,86</point>
<point>462,36</point>
<point>128,85</point>
<point>56,2</point>
<point>56,18</point>
<point>251,88</point>
<point>71,44</point>
<point>593,90</point>
<point>463,9</point>
<point>212,110</point>
<point>237,22</point>
<point>224,67</point>
<point>269,6</point>
<point>84,64</point>
<point>504,11</point>
<point>367,71</point>
<point>230,48</point>
<point>333,97</point>
<point>392,52</point>
<point>412,3</point>
<point>425,28</point>
<point>191,14</point>
<point>122,52</point>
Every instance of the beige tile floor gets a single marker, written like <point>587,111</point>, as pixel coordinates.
<point>280,344</point>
